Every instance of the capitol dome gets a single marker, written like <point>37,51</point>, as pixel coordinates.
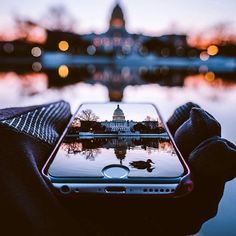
<point>118,114</point>
<point>117,17</point>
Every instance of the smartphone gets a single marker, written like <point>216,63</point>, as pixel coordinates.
<point>117,148</point>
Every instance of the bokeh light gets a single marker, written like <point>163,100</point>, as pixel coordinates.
<point>210,76</point>
<point>91,50</point>
<point>36,51</point>
<point>165,52</point>
<point>204,56</point>
<point>63,71</point>
<point>36,66</point>
<point>8,47</point>
<point>203,69</point>
<point>212,50</point>
<point>63,45</point>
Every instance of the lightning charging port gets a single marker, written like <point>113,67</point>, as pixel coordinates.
<point>115,189</point>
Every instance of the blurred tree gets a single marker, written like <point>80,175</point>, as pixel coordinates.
<point>28,30</point>
<point>59,18</point>
<point>140,127</point>
<point>149,118</point>
<point>72,147</point>
<point>76,122</point>
<point>90,154</point>
<point>220,34</point>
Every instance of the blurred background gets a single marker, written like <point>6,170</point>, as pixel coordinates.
<point>166,52</point>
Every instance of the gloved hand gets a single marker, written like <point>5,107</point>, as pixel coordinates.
<point>28,135</point>
<point>198,137</point>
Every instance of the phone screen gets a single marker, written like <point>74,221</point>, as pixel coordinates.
<point>129,135</point>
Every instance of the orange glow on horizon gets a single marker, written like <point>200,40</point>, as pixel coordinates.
<point>200,81</point>
<point>36,35</point>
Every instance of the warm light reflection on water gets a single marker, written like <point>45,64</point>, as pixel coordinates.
<point>13,85</point>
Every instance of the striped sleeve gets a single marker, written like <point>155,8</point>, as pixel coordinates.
<point>44,122</point>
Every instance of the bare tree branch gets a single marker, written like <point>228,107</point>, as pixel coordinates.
<point>87,115</point>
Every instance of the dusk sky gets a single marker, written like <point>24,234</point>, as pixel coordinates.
<point>146,16</point>
<point>131,112</point>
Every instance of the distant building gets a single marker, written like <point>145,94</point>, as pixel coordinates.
<point>119,123</point>
<point>117,39</point>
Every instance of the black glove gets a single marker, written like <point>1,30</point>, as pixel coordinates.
<point>27,137</point>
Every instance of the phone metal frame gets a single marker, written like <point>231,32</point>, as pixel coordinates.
<point>161,186</point>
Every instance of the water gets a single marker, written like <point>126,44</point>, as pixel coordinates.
<point>167,89</point>
<point>88,157</point>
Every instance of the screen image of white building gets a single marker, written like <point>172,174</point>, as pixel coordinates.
<point>119,123</point>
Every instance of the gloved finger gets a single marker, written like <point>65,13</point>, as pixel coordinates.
<point>180,115</point>
<point>200,126</point>
<point>214,158</point>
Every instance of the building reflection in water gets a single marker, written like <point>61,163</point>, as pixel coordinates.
<point>90,148</point>
<point>115,79</point>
